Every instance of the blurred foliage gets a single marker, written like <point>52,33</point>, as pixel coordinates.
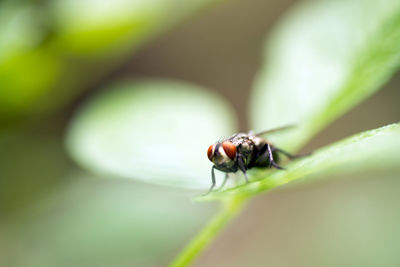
<point>51,50</point>
<point>323,59</point>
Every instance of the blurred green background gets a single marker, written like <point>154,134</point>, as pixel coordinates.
<point>57,55</point>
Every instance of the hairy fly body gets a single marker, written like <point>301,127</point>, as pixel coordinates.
<point>243,151</point>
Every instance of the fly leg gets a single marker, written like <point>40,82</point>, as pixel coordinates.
<point>224,182</point>
<point>212,179</point>
<point>271,159</point>
<point>242,167</point>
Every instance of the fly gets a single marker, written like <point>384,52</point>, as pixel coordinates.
<point>243,151</point>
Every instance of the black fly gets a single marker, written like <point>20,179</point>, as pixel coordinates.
<point>243,151</point>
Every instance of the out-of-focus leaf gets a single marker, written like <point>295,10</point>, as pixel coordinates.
<point>49,52</point>
<point>154,131</point>
<point>94,222</point>
<point>374,150</point>
<point>324,58</point>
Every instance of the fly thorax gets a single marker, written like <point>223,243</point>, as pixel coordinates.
<point>258,141</point>
<point>246,149</point>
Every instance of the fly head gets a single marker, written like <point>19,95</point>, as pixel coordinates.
<point>223,155</point>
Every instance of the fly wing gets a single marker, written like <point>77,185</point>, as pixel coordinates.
<point>287,127</point>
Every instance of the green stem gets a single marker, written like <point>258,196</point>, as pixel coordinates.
<point>230,209</point>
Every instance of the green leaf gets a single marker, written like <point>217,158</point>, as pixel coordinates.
<point>154,131</point>
<point>323,59</point>
<point>374,150</point>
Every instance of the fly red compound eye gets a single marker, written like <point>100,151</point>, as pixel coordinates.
<point>209,152</point>
<point>230,149</point>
